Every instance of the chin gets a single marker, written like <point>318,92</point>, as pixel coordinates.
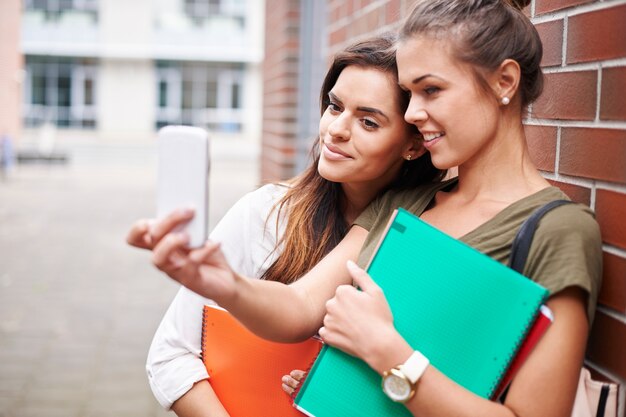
<point>443,163</point>
<point>330,174</point>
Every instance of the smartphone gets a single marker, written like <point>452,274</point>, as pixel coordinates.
<point>183,177</point>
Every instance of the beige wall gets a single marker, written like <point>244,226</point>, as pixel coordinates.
<point>126,99</point>
<point>11,65</point>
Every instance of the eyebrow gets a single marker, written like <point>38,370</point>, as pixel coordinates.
<point>423,77</point>
<point>360,108</point>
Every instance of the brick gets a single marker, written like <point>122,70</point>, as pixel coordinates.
<point>611,211</point>
<point>542,146</point>
<point>366,23</point>
<point>406,8</point>
<point>545,6</point>
<point>607,344</point>
<point>353,6</point>
<point>551,34</point>
<point>334,15</point>
<point>338,36</point>
<point>612,102</point>
<point>597,35</point>
<point>594,153</point>
<point>613,292</point>
<point>392,11</point>
<point>568,96</point>
<point>577,193</point>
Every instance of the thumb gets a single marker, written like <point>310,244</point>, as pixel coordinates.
<point>361,278</point>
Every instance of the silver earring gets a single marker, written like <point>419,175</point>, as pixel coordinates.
<point>506,100</point>
<point>408,157</point>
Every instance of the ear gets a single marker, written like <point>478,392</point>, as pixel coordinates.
<point>415,147</point>
<point>505,79</point>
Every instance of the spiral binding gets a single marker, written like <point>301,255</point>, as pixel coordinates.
<point>203,335</point>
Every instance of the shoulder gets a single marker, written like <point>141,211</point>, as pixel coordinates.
<point>267,194</point>
<point>259,202</point>
<point>569,220</point>
<point>251,209</point>
<point>567,252</point>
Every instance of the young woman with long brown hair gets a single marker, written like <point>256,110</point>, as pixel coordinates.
<point>280,231</point>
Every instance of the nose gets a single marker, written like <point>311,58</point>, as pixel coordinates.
<point>339,128</point>
<point>415,113</point>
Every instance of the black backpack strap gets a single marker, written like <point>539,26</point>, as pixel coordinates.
<point>521,246</point>
<point>524,237</point>
<point>604,395</point>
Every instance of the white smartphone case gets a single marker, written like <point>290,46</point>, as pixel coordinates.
<point>182,180</point>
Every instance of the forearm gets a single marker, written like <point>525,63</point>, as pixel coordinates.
<point>291,313</point>
<point>559,354</point>
<point>436,395</point>
<point>275,311</point>
<point>199,401</point>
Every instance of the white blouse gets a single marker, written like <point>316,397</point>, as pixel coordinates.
<point>248,235</point>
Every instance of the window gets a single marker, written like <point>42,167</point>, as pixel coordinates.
<point>60,91</point>
<point>55,10</point>
<point>201,11</point>
<point>200,94</point>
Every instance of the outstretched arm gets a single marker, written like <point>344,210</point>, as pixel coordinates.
<point>275,311</point>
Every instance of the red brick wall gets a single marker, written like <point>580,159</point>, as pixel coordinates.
<point>576,131</point>
<point>280,77</point>
<point>584,106</point>
<point>10,66</point>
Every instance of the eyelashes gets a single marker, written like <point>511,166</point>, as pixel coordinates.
<point>366,122</point>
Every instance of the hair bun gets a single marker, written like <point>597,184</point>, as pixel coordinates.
<point>518,4</point>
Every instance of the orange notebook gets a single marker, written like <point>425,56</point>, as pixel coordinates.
<point>246,370</point>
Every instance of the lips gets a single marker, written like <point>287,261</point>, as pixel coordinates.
<point>431,138</point>
<point>332,152</point>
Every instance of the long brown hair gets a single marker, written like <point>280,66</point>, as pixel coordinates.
<point>315,223</point>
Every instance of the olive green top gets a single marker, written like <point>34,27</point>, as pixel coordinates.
<point>566,249</point>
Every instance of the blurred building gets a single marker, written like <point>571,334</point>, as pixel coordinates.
<point>120,69</point>
<point>10,68</point>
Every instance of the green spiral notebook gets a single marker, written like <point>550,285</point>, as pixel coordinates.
<point>464,311</point>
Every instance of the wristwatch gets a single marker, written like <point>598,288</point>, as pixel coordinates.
<point>399,382</point>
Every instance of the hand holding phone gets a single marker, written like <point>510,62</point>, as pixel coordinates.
<point>182,179</point>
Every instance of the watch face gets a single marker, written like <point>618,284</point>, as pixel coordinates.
<point>396,387</point>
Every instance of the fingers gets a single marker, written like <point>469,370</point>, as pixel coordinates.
<point>290,382</point>
<point>297,374</point>
<point>163,254</point>
<point>170,222</point>
<point>139,235</point>
<point>362,278</point>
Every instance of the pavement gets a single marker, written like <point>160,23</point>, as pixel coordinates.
<point>78,307</point>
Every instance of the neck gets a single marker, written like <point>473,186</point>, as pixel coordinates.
<point>356,198</point>
<point>503,170</point>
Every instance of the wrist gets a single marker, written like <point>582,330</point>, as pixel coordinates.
<point>391,351</point>
<point>231,296</point>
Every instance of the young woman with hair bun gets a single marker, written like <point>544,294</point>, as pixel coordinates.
<point>470,67</point>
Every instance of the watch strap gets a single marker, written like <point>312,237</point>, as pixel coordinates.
<point>415,366</point>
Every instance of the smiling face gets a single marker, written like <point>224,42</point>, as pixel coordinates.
<point>363,136</point>
<point>458,119</point>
